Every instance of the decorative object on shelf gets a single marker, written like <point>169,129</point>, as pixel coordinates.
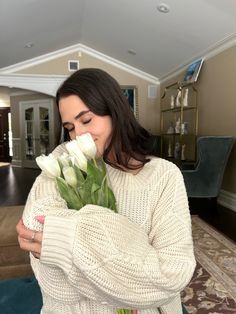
<point>193,71</point>
<point>169,153</point>
<point>184,128</point>
<point>177,126</point>
<point>179,122</point>
<point>172,101</point>
<point>185,98</point>
<point>178,99</point>
<point>177,150</point>
<point>183,152</point>
<point>171,129</point>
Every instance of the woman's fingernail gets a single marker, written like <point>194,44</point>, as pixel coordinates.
<point>40,219</point>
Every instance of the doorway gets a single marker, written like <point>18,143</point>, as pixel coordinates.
<point>4,135</point>
<point>37,131</point>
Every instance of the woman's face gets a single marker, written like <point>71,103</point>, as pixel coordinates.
<point>78,119</point>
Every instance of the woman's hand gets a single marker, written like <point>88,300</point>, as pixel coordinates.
<point>29,240</point>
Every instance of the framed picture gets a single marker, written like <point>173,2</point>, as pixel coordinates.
<point>130,93</point>
<point>193,70</point>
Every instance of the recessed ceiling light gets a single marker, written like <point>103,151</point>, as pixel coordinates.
<point>163,8</point>
<point>29,45</point>
<point>132,52</point>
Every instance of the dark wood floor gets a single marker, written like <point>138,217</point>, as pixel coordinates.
<point>221,218</point>
<point>15,184</point>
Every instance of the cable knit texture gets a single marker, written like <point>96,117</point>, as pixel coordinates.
<point>95,261</point>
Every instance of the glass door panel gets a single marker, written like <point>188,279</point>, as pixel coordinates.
<point>29,134</point>
<point>37,132</point>
<point>44,131</point>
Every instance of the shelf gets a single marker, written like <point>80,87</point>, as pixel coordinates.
<point>179,112</point>
<point>178,109</point>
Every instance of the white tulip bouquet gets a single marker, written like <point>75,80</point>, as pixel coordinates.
<point>81,179</point>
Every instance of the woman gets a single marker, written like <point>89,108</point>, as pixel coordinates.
<point>95,260</point>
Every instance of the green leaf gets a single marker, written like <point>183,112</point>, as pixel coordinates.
<point>79,174</point>
<point>85,190</point>
<point>111,200</point>
<point>100,200</point>
<point>94,187</point>
<point>105,193</point>
<point>124,311</point>
<point>94,193</point>
<point>61,167</point>
<point>62,186</point>
<point>103,166</point>
<point>69,194</point>
<point>94,172</point>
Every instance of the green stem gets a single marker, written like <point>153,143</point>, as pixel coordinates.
<point>95,162</point>
<point>104,180</point>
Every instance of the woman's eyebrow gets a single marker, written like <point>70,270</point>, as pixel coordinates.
<point>76,117</point>
<point>81,114</point>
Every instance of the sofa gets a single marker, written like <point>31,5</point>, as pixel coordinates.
<point>14,262</point>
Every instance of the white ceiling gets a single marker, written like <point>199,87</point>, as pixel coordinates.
<point>163,42</point>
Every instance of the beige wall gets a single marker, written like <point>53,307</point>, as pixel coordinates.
<point>217,104</point>
<point>148,109</point>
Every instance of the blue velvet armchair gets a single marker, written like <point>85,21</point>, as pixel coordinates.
<point>204,181</point>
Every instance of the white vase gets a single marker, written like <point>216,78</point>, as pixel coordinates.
<point>185,99</point>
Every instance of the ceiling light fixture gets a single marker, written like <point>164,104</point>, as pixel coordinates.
<point>29,45</point>
<point>132,52</point>
<point>163,8</point>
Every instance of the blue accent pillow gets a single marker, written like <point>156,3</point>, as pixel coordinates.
<point>20,296</point>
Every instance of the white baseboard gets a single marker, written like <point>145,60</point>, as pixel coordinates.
<point>16,163</point>
<point>227,199</point>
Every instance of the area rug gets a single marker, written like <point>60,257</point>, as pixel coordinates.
<point>2,164</point>
<point>212,289</point>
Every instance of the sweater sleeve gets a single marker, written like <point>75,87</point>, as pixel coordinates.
<point>110,259</point>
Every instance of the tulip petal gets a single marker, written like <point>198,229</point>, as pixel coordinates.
<point>87,145</point>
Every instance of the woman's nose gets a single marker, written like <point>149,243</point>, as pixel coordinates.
<point>79,130</point>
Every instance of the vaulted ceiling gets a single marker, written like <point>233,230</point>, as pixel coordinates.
<point>131,31</point>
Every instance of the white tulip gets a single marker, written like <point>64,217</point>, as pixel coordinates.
<point>79,158</point>
<point>70,176</point>
<point>87,145</point>
<point>65,159</point>
<point>49,165</point>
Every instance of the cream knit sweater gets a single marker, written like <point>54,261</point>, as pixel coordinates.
<point>94,261</point>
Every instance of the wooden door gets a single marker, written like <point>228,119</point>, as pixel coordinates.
<point>4,135</point>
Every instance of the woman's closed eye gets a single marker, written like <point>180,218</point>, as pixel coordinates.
<point>69,126</point>
<point>87,121</point>
<point>70,129</point>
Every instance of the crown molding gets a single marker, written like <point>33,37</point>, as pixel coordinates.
<point>210,52</point>
<point>79,48</point>
<point>121,65</point>
<point>46,84</point>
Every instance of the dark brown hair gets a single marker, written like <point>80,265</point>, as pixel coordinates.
<point>101,93</point>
